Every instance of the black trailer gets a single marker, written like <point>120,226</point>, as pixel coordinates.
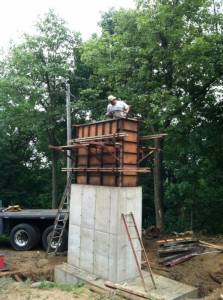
<point>28,227</point>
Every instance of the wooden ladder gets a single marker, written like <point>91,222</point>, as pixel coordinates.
<point>60,220</point>
<point>129,222</point>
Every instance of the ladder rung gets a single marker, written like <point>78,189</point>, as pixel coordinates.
<point>58,230</point>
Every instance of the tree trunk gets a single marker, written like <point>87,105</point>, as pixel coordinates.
<point>54,179</point>
<point>158,191</point>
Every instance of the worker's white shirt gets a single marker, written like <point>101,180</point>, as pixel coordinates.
<point>119,106</point>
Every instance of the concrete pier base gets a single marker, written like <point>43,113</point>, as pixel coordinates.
<point>167,289</point>
<point>98,242</point>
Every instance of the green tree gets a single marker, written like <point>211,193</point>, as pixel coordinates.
<point>35,71</point>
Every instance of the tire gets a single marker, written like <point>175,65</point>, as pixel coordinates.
<point>24,237</point>
<point>47,235</point>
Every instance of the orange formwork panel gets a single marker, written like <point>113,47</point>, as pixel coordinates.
<point>120,150</point>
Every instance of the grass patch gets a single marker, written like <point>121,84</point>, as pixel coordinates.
<point>78,290</point>
<point>60,286</point>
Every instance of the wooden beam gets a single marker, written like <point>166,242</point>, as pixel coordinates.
<point>152,136</point>
<point>106,170</point>
<point>100,137</point>
<point>213,246</point>
<point>186,239</point>
<point>76,146</point>
<point>146,156</point>
<point>120,287</point>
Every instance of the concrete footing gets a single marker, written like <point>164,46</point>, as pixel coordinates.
<point>167,289</point>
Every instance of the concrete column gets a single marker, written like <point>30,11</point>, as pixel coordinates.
<point>98,241</point>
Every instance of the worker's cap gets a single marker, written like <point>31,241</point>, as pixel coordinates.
<point>111,98</point>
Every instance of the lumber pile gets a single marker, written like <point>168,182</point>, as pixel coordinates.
<point>175,251</point>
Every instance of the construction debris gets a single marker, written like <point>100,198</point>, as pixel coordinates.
<point>175,251</point>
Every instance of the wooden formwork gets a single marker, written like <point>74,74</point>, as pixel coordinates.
<point>108,152</point>
<point>115,163</point>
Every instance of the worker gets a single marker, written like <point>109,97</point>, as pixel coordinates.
<point>117,108</point>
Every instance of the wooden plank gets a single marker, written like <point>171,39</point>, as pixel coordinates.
<point>214,246</point>
<point>126,289</point>
<point>79,132</point>
<point>130,147</point>
<point>107,128</point>
<point>81,179</point>
<point>75,146</point>
<point>129,181</point>
<point>130,158</point>
<point>109,180</point>
<point>93,130</point>
<point>86,131</point>
<point>114,126</point>
<point>176,250</point>
<point>94,179</point>
<point>82,160</point>
<point>160,242</point>
<point>106,170</point>
<point>100,129</point>
<point>153,136</point>
<point>130,170</point>
<point>131,137</point>
<point>130,125</point>
<point>100,137</point>
<point>108,159</point>
<point>179,260</point>
<point>95,161</point>
<point>13,273</point>
<point>82,151</point>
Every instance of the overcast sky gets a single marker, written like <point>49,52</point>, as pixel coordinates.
<point>18,16</point>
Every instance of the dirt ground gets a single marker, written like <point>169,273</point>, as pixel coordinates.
<point>33,262</point>
<point>204,272</point>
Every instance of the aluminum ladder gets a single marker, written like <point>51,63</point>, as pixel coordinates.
<point>129,222</point>
<point>60,220</point>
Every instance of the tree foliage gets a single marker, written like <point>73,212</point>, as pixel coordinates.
<point>33,90</point>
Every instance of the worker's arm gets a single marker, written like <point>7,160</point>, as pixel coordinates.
<point>126,107</point>
<point>109,113</point>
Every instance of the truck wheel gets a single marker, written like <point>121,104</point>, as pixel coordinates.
<point>24,237</point>
<point>47,234</point>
